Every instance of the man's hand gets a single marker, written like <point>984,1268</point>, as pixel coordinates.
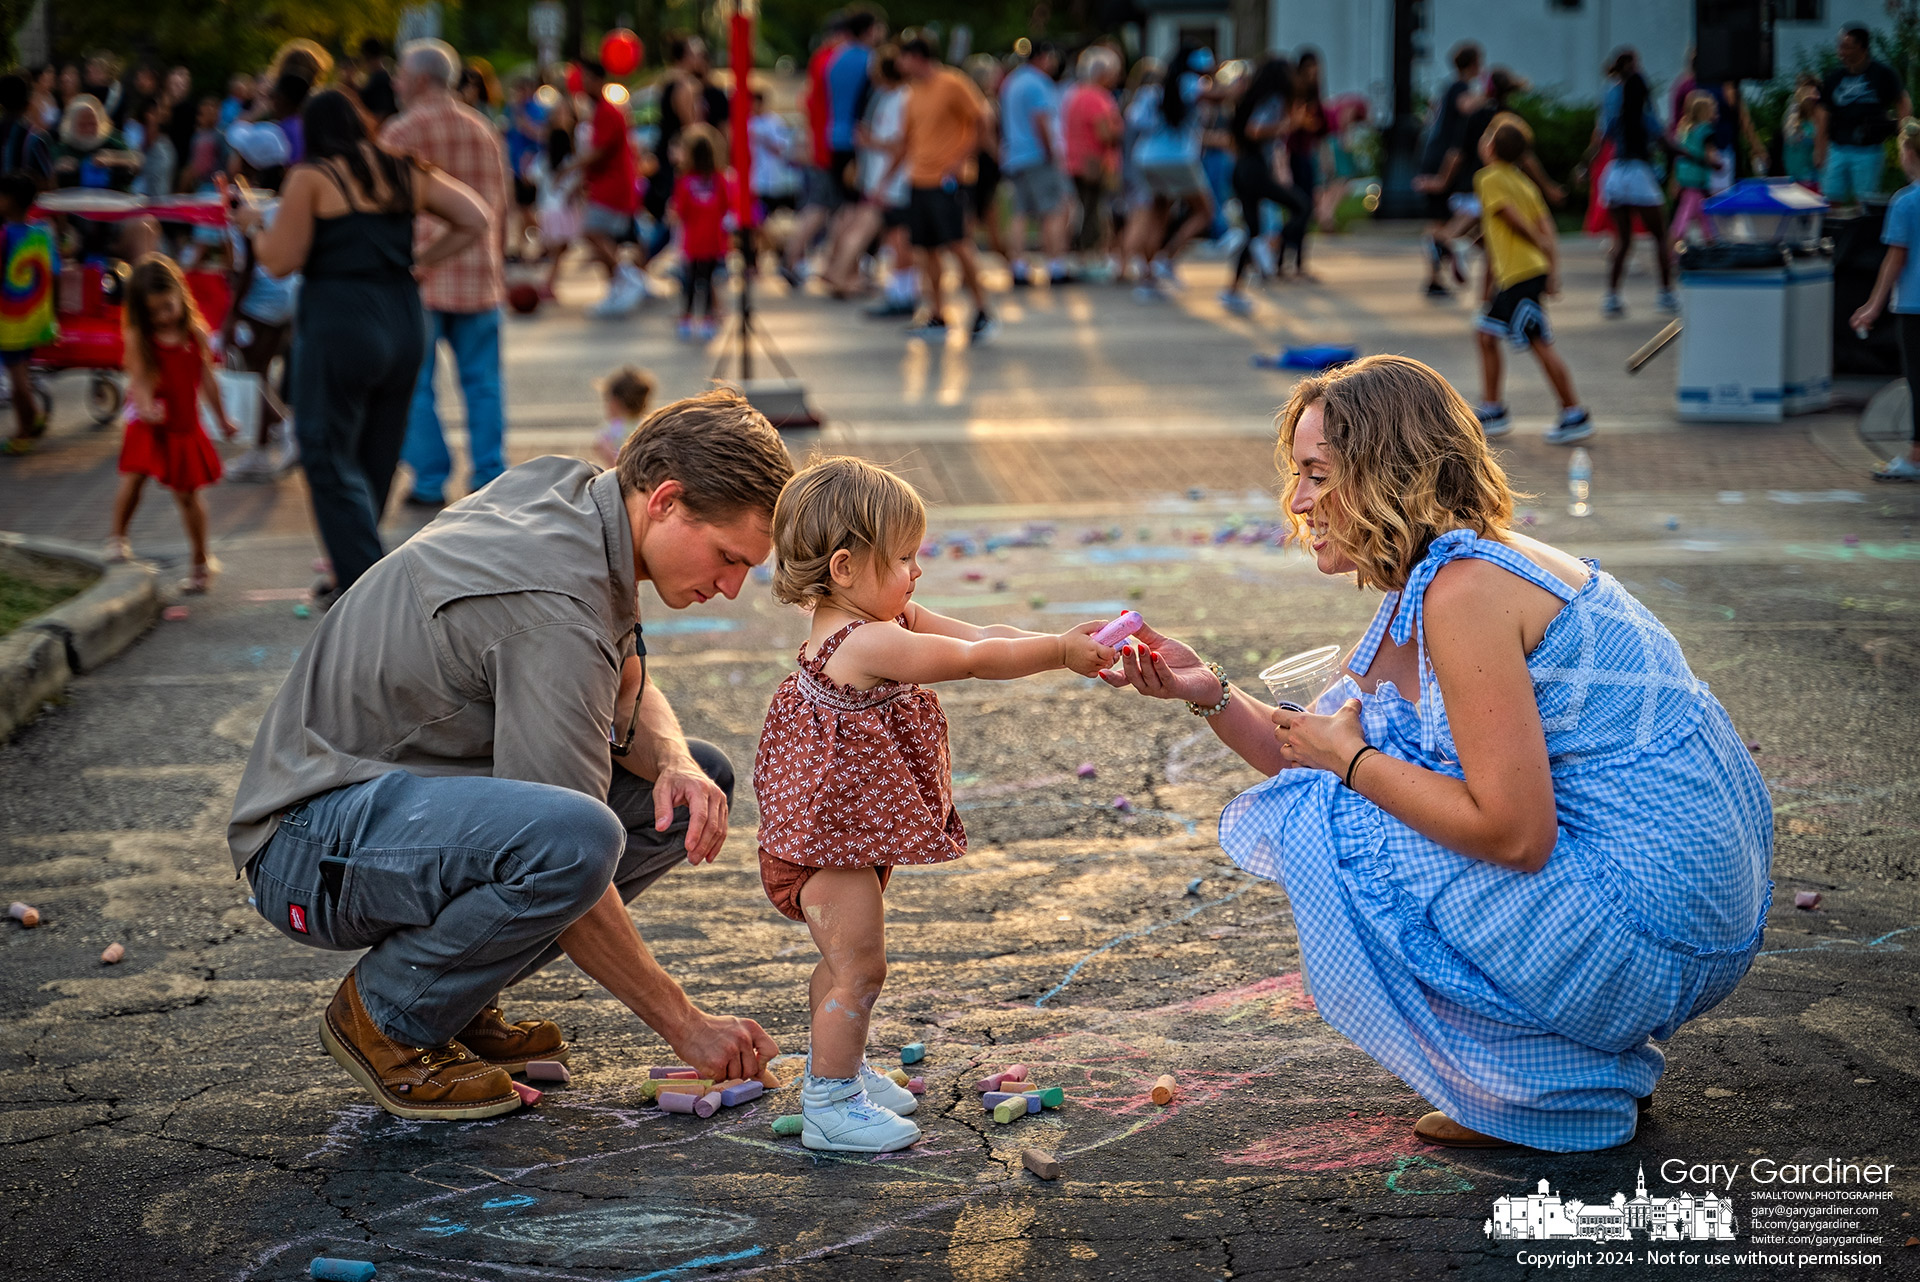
<point>723,1047</point>
<point>684,783</point>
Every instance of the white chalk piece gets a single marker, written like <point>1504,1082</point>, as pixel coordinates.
<point>528,1095</point>
<point>1041,1163</point>
<point>114,953</point>
<point>26,914</point>
<point>324,1269</point>
<point>547,1070</point>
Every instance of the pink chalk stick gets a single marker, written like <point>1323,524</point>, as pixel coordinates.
<point>1806,899</point>
<point>528,1096</point>
<point>682,1075</point>
<point>660,1074</point>
<point>918,1085</point>
<point>1120,629</point>
<point>993,1083</point>
<point>707,1105</point>
<point>1015,1073</point>
<point>742,1093</point>
<point>547,1070</point>
<point>676,1102</point>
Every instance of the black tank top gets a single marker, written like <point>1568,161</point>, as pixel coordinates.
<point>361,244</point>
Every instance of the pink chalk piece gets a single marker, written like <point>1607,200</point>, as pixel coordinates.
<point>659,1074</point>
<point>1014,1073</point>
<point>741,1094</point>
<point>1120,629</point>
<point>676,1102</point>
<point>1087,770</point>
<point>993,1083</point>
<point>1806,899</point>
<point>528,1095</point>
<point>917,1085</point>
<point>682,1074</point>
<point>174,613</point>
<point>547,1070</point>
<point>114,954</point>
<point>1123,805</point>
<point>707,1105</point>
<point>1851,540</point>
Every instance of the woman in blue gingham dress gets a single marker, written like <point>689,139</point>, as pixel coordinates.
<point>1523,1000</point>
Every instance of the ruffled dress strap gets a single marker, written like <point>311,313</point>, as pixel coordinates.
<point>817,665</point>
<point>823,691</point>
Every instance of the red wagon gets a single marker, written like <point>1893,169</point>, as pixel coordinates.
<point>88,300</point>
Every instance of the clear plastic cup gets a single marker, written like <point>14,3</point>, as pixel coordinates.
<point>1298,680</point>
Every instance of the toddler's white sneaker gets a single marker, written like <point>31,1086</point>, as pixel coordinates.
<point>836,1116</point>
<point>886,1092</point>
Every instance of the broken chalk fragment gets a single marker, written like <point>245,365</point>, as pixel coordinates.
<point>1087,770</point>
<point>26,914</point>
<point>1193,887</point>
<point>898,1075</point>
<point>1806,899</point>
<point>547,1070</point>
<point>1123,805</point>
<point>1164,1088</point>
<point>1007,1110</point>
<point>992,1083</point>
<point>788,1124</point>
<point>994,1099</point>
<point>528,1095</point>
<point>302,610</point>
<point>740,1094</point>
<point>707,1105</point>
<point>1051,1097</point>
<point>917,1085</point>
<point>324,1269</point>
<point>1041,1163</point>
<point>114,953</point>
<point>682,1075</point>
<point>771,1080</point>
<point>1014,1073</point>
<point>174,613</point>
<point>913,1052</point>
<point>668,1071</point>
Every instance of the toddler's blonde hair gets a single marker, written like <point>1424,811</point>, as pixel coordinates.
<point>1700,108</point>
<point>836,503</point>
<point>1910,135</point>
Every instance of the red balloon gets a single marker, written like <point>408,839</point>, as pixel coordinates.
<point>620,52</point>
<point>575,84</point>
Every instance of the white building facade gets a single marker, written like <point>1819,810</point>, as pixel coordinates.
<point>1559,45</point>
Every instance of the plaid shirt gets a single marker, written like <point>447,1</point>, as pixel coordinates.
<point>453,137</point>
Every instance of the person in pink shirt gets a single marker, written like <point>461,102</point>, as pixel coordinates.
<point>1091,123</point>
<point>701,200</point>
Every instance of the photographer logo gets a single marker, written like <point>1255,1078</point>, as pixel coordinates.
<point>1542,1215</point>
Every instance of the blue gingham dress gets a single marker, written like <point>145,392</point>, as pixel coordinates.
<point>1523,1004</point>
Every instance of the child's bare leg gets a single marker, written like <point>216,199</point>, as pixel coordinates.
<point>1557,373</point>
<point>1491,371</point>
<point>125,500</point>
<point>193,515</point>
<point>847,916</point>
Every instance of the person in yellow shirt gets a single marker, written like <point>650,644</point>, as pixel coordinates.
<point>1522,268</point>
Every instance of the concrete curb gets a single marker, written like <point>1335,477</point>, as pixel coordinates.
<point>76,636</point>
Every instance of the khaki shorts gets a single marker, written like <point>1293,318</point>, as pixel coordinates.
<point>784,880</point>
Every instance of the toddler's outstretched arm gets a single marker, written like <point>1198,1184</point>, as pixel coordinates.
<point>920,619</point>
<point>889,652</point>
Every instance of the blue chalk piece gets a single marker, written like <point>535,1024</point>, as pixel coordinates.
<point>324,1269</point>
<point>913,1052</point>
<point>741,1094</point>
<point>1193,887</point>
<point>1317,356</point>
<point>994,1099</point>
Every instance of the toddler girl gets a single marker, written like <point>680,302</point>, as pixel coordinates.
<point>852,775</point>
<point>701,203</point>
<point>1694,165</point>
<point>626,393</point>
<point>168,372</point>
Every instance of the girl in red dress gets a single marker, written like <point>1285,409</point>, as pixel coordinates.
<point>169,371</point>
<point>853,775</point>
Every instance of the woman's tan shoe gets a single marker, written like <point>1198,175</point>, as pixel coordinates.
<point>1437,1128</point>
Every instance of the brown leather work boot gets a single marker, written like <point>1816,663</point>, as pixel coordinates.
<point>510,1046</point>
<point>427,1082</point>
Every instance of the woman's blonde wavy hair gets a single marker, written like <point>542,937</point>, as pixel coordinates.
<point>1407,463</point>
<point>835,503</point>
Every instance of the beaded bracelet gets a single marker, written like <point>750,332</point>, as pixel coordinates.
<point>1226,695</point>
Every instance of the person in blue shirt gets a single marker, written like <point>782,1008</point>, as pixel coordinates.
<point>1030,144</point>
<point>1900,281</point>
<point>849,82</point>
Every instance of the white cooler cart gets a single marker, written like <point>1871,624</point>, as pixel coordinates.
<point>1758,304</point>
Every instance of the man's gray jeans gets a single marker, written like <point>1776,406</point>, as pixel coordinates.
<point>458,886</point>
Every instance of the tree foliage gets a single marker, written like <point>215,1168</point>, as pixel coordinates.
<point>213,37</point>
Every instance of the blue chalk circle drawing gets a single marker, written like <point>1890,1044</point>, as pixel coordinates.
<point>1878,945</point>
<point>616,1232</point>
<point>508,1203</point>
